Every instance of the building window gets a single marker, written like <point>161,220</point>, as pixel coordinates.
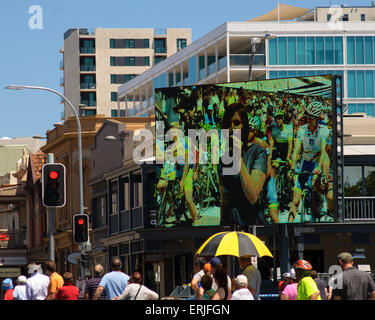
<point>121,78</point>
<point>181,43</point>
<point>363,17</point>
<point>129,43</point>
<point>158,59</point>
<point>160,46</point>
<point>114,113</point>
<point>305,50</point>
<point>137,192</point>
<point>359,181</point>
<point>361,84</point>
<point>113,96</point>
<point>130,61</point>
<point>99,211</point>
<point>345,17</point>
<point>360,50</point>
<point>329,17</point>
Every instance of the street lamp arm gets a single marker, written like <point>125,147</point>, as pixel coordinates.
<point>21,87</point>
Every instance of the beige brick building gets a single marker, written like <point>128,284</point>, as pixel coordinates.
<point>95,63</point>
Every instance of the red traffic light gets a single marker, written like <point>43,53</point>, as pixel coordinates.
<point>81,221</point>
<point>53,175</point>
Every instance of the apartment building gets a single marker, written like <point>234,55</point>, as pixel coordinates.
<point>96,62</point>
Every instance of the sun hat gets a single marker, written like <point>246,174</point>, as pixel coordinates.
<point>241,280</point>
<point>32,268</point>
<point>21,279</point>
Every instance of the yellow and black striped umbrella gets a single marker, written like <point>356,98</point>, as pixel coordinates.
<point>234,243</point>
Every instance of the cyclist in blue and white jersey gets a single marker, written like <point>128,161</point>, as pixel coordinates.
<point>310,144</point>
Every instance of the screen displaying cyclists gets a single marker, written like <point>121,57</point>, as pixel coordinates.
<point>246,153</point>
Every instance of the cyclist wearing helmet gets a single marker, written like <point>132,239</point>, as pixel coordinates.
<point>281,138</point>
<point>307,288</point>
<point>311,143</point>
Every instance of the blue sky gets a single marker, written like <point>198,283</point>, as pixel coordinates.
<point>31,56</point>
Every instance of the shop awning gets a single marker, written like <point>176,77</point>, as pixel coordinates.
<point>282,12</point>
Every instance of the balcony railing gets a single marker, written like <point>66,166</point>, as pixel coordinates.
<point>87,67</point>
<point>160,50</point>
<point>88,85</point>
<point>13,239</point>
<point>125,220</point>
<point>89,103</point>
<point>87,50</point>
<point>137,218</point>
<point>244,59</point>
<point>359,208</point>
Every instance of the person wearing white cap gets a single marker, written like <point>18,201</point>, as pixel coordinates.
<point>242,291</point>
<point>19,292</point>
<point>37,284</point>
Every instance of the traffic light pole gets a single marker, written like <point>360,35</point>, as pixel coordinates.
<point>51,220</point>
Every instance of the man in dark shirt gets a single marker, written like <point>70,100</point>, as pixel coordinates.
<point>92,284</point>
<point>353,284</point>
<point>321,285</point>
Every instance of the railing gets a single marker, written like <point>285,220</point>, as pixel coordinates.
<point>160,31</point>
<point>137,218</point>
<point>160,50</point>
<point>244,59</point>
<point>89,103</point>
<point>88,85</point>
<point>359,208</point>
<point>13,239</point>
<point>222,63</point>
<point>87,50</point>
<point>87,67</point>
<point>87,32</point>
<point>125,220</point>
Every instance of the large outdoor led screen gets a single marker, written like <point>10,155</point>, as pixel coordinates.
<point>248,153</point>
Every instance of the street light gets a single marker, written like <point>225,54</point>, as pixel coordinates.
<point>81,207</point>
<point>22,87</point>
<point>254,43</point>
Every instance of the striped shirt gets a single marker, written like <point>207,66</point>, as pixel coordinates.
<point>92,285</point>
<point>356,285</point>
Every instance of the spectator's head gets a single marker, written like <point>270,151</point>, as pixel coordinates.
<point>199,263</point>
<point>235,117</point>
<point>50,267</point>
<point>244,261</point>
<point>21,280</point>
<point>68,277</point>
<point>345,259</point>
<point>206,282</point>
<point>215,263</point>
<point>207,268</point>
<point>136,277</point>
<point>7,284</point>
<point>116,264</point>
<point>98,270</point>
<point>314,274</point>
<point>241,282</point>
<point>302,268</point>
<point>220,277</point>
<point>33,268</point>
